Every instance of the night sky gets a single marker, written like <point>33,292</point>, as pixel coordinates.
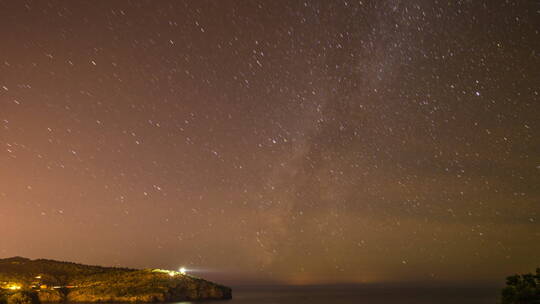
<point>291,142</point>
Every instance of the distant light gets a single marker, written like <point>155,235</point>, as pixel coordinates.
<point>171,273</point>
<point>183,270</point>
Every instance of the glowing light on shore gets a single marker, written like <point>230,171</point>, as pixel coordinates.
<point>183,270</point>
<point>14,287</point>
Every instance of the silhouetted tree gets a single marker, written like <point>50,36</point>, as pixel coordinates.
<point>522,289</point>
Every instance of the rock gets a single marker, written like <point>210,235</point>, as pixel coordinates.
<point>23,297</point>
<point>50,296</point>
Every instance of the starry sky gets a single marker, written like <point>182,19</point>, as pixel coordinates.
<point>287,142</point>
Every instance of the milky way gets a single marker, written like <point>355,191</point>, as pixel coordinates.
<point>273,141</point>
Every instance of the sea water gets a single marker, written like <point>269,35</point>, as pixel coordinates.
<point>366,295</point>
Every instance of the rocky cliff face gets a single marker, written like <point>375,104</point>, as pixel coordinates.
<point>50,296</point>
<point>147,286</point>
<point>39,281</point>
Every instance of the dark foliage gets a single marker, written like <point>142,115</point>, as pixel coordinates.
<point>522,289</point>
<point>23,297</point>
<point>23,270</point>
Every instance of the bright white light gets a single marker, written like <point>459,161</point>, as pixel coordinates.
<point>171,273</point>
<point>183,270</point>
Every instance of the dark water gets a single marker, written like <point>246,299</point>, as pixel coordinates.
<point>352,295</point>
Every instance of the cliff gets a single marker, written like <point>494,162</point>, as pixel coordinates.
<point>32,281</point>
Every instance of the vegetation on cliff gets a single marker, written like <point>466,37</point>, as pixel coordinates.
<point>24,281</point>
<point>522,289</point>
